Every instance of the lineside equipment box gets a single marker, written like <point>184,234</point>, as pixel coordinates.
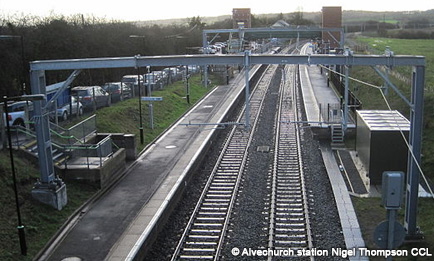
<point>379,142</point>
<point>392,189</point>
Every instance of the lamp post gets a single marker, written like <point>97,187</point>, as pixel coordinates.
<point>20,227</point>
<point>23,66</point>
<point>142,138</point>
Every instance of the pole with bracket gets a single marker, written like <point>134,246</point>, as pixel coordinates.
<point>142,138</point>
<point>205,51</point>
<point>414,157</point>
<point>247,76</point>
<point>20,227</point>
<point>347,82</point>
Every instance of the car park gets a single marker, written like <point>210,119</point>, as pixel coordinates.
<point>91,96</point>
<point>118,93</point>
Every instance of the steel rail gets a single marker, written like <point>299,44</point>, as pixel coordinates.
<point>219,194</point>
<point>289,226</point>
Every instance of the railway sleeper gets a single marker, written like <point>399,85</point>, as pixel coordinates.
<point>286,225</point>
<point>296,210</point>
<point>207,224</point>
<point>215,187</point>
<point>218,196</point>
<point>291,196</point>
<point>212,213</point>
<point>291,243</point>
<point>291,219</point>
<point>195,257</point>
<point>223,182</point>
<point>217,200</point>
<point>210,231</point>
<point>289,214</point>
<point>201,243</point>
<point>221,191</point>
<point>290,232</point>
<point>203,237</point>
<point>289,200</point>
<point>291,205</point>
<point>210,218</point>
<point>188,249</point>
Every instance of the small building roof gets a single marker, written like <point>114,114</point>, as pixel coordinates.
<point>280,23</point>
<point>384,120</point>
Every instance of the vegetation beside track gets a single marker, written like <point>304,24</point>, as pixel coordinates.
<point>124,117</point>
<point>372,98</point>
<point>41,222</point>
<point>369,211</point>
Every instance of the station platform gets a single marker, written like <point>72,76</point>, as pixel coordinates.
<point>315,92</point>
<point>115,226</point>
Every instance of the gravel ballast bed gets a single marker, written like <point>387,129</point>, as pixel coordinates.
<point>249,224</point>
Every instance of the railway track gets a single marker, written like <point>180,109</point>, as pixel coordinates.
<point>289,226</point>
<point>204,234</point>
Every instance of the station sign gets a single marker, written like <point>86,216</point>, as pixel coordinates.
<point>152,98</point>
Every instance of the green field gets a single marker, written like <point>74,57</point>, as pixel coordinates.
<point>41,221</point>
<point>369,211</point>
<point>372,99</point>
<point>407,47</point>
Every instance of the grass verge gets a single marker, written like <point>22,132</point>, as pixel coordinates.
<point>370,213</point>
<point>41,221</point>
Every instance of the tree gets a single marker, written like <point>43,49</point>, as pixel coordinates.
<point>196,23</point>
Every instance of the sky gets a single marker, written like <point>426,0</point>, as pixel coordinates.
<point>135,10</point>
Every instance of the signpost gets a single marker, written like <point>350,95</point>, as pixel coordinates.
<point>151,108</point>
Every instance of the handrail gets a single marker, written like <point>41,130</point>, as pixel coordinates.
<point>64,136</point>
<point>81,122</point>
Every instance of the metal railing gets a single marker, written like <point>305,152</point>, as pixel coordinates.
<point>64,141</point>
<point>76,133</point>
<point>89,155</point>
<point>330,112</point>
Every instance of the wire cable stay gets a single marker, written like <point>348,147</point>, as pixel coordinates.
<point>400,130</point>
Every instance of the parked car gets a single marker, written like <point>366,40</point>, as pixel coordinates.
<point>16,113</point>
<point>90,96</point>
<point>132,81</point>
<point>117,93</point>
<point>69,109</point>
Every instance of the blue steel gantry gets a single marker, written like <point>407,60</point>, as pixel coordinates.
<point>49,185</point>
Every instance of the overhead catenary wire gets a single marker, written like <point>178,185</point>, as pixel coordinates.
<point>390,109</point>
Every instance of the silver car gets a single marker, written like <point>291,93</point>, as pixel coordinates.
<point>67,110</point>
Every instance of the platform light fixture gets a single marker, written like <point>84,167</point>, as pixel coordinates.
<point>142,136</point>
<point>20,227</point>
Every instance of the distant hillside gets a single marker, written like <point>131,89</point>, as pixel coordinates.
<point>182,21</point>
<point>349,17</point>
